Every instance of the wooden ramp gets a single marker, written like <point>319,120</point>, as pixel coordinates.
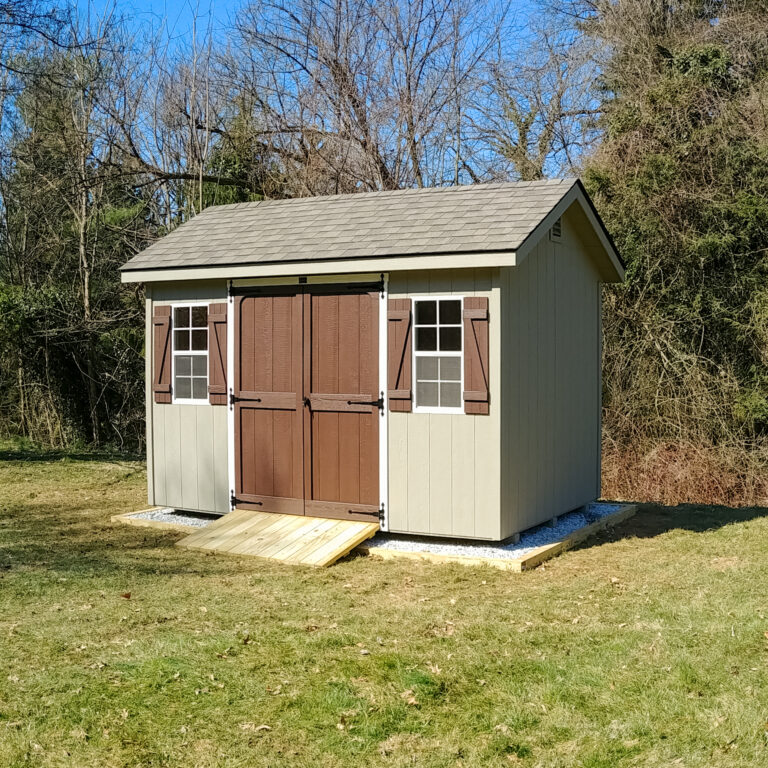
<point>292,539</point>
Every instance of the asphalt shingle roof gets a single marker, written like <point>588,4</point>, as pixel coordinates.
<point>464,219</point>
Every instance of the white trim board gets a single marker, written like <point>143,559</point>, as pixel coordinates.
<point>279,270</point>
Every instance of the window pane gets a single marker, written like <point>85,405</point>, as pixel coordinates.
<point>450,312</point>
<point>181,317</point>
<point>199,365</point>
<point>199,340</point>
<point>181,340</point>
<point>183,365</point>
<point>426,393</point>
<point>426,339</point>
<point>183,387</point>
<point>426,312</point>
<point>450,395</point>
<point>199,317</point>
<point>200,389</point>
<point>450,339</point>
<point>450,368</point>
<point>426,368</point>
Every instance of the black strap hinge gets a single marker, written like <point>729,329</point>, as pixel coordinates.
<point>379,513</point>
<point>233,398</point>
<point>378,403</point>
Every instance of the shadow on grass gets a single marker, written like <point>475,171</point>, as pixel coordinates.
<point>653,520</point>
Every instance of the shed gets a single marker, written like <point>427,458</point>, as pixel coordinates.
<point>428,359</point>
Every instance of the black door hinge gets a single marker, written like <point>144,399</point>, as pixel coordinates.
<point>233,398</point>
<point>378,403</point>
<point>379,513</point>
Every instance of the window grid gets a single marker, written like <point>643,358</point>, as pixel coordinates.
<point>438,354</point>
<point>190,353</point>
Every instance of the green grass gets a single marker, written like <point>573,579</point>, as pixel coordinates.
<point>646,647</point>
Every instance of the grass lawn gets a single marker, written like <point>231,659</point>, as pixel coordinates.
<point>645,647</point>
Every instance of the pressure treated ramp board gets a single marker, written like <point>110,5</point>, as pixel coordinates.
<point>516,565</point>
<point>294,539</point>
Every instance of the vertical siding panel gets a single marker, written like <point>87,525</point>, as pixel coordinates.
<point>160,468</point>
<point>440,464</point>
<point>463,475</point>
<point>418,472</point>
<point>205,456</point>
<point>398,471</point>
<point>551,379</point>
<point>220,460</point>
<point>527,306</point>
<point>188,448</point>
<point>172,454</point>
<point>507,504</point>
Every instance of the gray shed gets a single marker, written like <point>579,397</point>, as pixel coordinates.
<point>427,359</point>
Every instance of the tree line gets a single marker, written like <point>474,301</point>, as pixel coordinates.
<point>114,130</point>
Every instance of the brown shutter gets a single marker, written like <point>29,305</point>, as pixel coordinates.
<point>476,395</point>
<point>217,354</point>
<point>399,354</point>
<point>161,354</point>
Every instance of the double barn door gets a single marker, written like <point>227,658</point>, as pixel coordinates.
<point>306,402</point>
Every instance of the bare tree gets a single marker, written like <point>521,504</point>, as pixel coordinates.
<point>360,94</point>
<point>536,110</point>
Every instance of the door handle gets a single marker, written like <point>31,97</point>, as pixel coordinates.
<point>307,402</point>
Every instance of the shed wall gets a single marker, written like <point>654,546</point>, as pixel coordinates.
<point>550,378</point>
<point>186,444</point>
<point>444,468</point>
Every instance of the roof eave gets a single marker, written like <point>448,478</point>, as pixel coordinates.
<point>474,259</point>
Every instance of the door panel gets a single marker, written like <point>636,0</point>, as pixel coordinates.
<point>306,418</point>
<point>342,423</point>
<point>269,461</point>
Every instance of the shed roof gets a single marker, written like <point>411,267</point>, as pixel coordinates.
<point>481,218</point>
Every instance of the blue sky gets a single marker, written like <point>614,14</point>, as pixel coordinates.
<point>178,14</point>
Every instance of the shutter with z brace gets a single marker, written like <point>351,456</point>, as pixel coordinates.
<point>399,342</point>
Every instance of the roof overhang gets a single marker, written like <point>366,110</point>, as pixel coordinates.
<point>320,267</point>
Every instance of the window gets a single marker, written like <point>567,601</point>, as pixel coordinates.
<point>190,353</point>
<point>438,354</point>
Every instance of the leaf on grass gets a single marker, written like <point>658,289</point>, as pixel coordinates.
<point>409,698</point>
<point>126,595</point>
<point>254,727</point>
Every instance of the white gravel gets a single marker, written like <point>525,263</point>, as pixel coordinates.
<point>168,515</point>
<point>529,540</point>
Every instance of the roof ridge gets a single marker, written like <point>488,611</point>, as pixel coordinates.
<point>408,191</point>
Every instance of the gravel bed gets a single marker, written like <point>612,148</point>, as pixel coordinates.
<point>529,540</point>
<point>168,515</point>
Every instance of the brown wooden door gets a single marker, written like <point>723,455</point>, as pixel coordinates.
<point>269,456</point>
<point>306,418</point>
<point>341,424</point>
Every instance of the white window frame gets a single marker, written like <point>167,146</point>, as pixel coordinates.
<point>437,353</point>
<point>174,353</point>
